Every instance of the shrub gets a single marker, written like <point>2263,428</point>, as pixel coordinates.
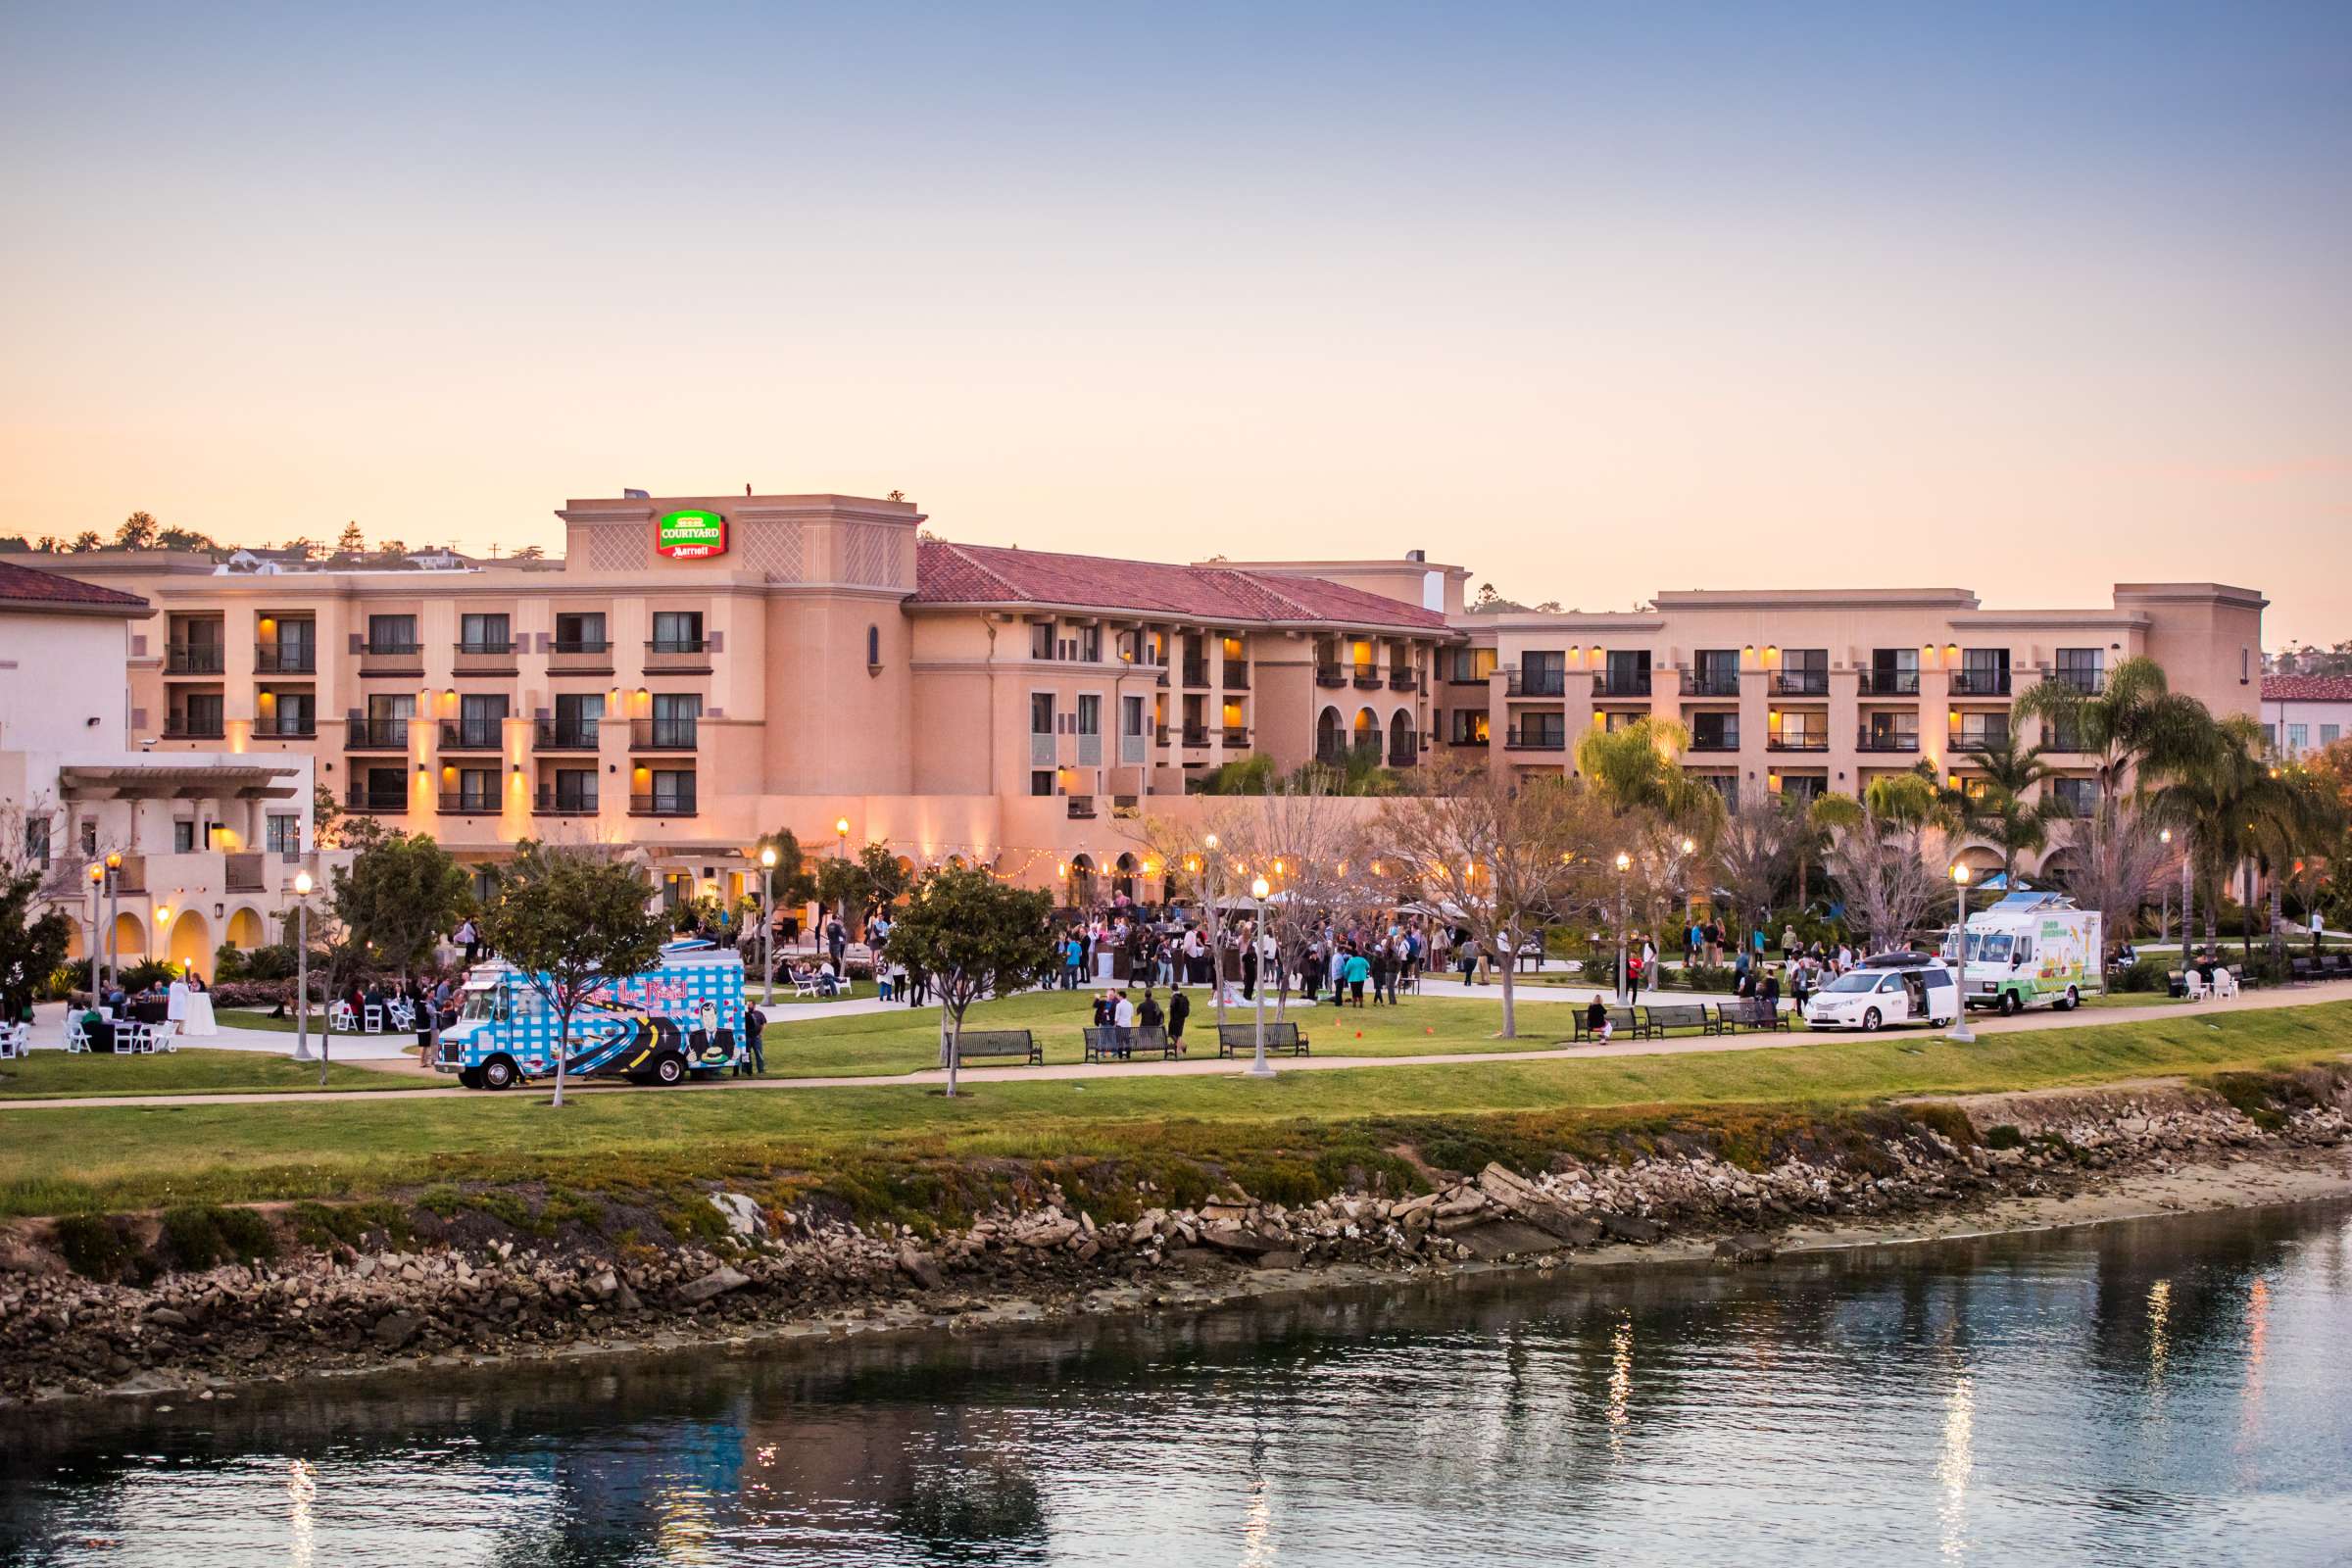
<point>199,1235</point>
<point>2144,974</point>
<point>2004,1136</point>
<point>91,1246</point>
<point>148,972</point>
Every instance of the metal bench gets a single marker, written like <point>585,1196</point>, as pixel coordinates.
<point>980,1046</point>
<point>1103,1045</point>
<point>1623,1023</point>
<point>1241,1039</point>
<point>2302,971</point>
<point>1749,1012</point>
<point>1682,1016</point>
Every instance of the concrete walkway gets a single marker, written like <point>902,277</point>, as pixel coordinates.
<point>1212,1066</point>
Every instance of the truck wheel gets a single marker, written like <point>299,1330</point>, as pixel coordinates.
<point>1870,1021</point>
<point>2008,1004</point>
<point>499,1072</point>
<point>470,1077</point>
<point>670,1068</point>
<point>2073,998</point>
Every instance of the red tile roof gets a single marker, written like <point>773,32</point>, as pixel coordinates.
<point>22,585</point>
<point>2307,688</point>
<point>947,573</point>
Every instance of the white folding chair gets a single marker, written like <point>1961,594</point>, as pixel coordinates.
<point>403,1016</point>
<point>12,1041</point>
<point>133,1038</point>
<point>163,1037</point>
<point>375,1019</point>
<point>76,1037</point>
<point>340,1017</point>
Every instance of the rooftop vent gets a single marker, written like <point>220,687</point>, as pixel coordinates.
<point>1416,555</point>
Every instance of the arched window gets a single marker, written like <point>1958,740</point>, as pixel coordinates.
<point>873,647</point>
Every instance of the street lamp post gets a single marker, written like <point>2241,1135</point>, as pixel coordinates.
<point>1258,890</point>
<point>1624,863</point>
<point>113,914</point>
<point>2185,899</point>
<point>2164,902</point>
<point>97,913</point>
<point>767,927</point>
<point>1961,1033</point>
<point>302,973</point>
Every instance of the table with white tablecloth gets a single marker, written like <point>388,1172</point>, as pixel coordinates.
<point>192,1011</point>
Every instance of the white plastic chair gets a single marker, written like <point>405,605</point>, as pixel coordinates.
<point>403,1016</point>
<point>340,1017</point>
<point>133,1038</point>
<point>163,1037</point>
<point>375,1019</point>
<point>2225,984</point>
<point>76,1037</point>
<point>12,1041</point>
<point>2193,984</point>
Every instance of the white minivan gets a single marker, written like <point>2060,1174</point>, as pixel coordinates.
<point>1887,988</point>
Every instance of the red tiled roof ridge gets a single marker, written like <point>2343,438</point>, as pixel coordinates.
<point>20,585</point>
<point>950,572</point>
<point>2307,688</point>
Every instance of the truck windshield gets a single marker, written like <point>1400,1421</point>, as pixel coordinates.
<point>481,1004</point>
<point>1983,947</point>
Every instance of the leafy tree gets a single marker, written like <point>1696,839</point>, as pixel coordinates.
<point>1639,768</point>
<point>1885,852</point>
<point>873,880</point>
<point>975,937</point>
<point>32,942</point>
<point>794,883</point>
<point>17,543</point>
<point>1253,774</point>
<point>574,924</point>
<point>397,897</point>
<point>2136,724</point>
<point>137,533</point>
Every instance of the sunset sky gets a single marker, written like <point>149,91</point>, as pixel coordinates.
<point>1595,300</point>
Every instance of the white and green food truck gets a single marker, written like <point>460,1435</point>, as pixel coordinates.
<point>2030,950</point>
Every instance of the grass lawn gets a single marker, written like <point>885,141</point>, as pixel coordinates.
<point>78,1158</point>
<point>58,1074</point>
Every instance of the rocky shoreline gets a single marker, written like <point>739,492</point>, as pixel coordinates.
<point>380,1297</point>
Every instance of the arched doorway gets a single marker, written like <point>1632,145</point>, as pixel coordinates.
<point>1082,881</point>
<point>130,938</point>
<point>1122,878</point>
<point>1401,739</point>
<point>190,945</point>
<point>1367,733</point>
<point>245,929</point>
<point>1328,735</point>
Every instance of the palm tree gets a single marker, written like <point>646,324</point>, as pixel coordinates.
<point>2136,724</point>
<point>2015,809</point>
<point>2233,804</point>
<point>1640,767</point>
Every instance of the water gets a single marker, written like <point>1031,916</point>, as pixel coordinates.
<point>2167,1392</point>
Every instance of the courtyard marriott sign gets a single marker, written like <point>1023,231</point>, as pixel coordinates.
<point>691,535</point>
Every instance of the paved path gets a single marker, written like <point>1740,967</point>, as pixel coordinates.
<point>1213,1067</point>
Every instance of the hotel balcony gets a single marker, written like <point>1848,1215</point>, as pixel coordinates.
<point>1195,672</point>
<point>672,805</point>
<point>1798,743</point>
<point>375,735</point>
<point>1535,741</point>
<point>1887,740</point>
<point>473,734</point>
<point>1082,808</point>
<point>1330,676</point>
<point>1539,683</point>
<point>2084,682</point>
<point>483,658</point>
<point>1727,740</point>
<point>677,655</point>
<point>663,734</point>
<point>1404,681</point>
<point>375,803</point>
<point>1980,684</point>
<point>1712,684</point>
<point>195,659</point>
<point>244,870</point>
<point>1367,677</point>
<point>277,659</point>
<point>579,656</point>
<point>285,729</point>
<point>1978,740</point>
<point>553,803</point>
<point>1195,735</point>
<point>1234,677</point>
<point>1633,683</point>
<point>181,727</point>
<point>470,803</point>
<point>556,735</point>
<point>1801,683</point>
<point>1237,737</point>
<point>392,658</point>
<point>1890,684</point>
<point>1405,756</point>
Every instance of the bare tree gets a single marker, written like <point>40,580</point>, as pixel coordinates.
<point>1886,853</point>
<point>1311,845</point>
<point>1198,854</point>
<point>2118,856</point>
<point>1505,855</point>
<point>1754,851</point>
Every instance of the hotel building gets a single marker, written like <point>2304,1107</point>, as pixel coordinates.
<point>699,670</point>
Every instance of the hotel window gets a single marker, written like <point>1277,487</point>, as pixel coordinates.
<point>483,634</point>
<point>1715,732</point>
<point>296,645</point>
<point>183,837</point>
<point>677,631</point>
<point>1547,732</point>
<point>288,713</point>
<point>1090,644</point>
<point>392,634</point>
<point>1726,785</point>
<point>89,839</point>
<point>478,789</point>
<point>677,887</point>
<point>1806,672</point>
<point>1041,713</point>
<point>1982,673</point>
<point>1464,666</point>
<point>2329,734</point>
<point>1041,639</point>
<point>1041,781</point>
<point>282,834</point>
<point>1468,727</point>
<point>2078,796</point>
<point>1803,730</point>
<point>479,719</point>
<point>2298,739</point>
<point>1893,672</point>
<point>2082,668</point>
<point>1803,788</point>
<point>674,791</point>
<point>873,647</point>
<point>1543,672</point>
<point>675,715</point>
<point>1715,672</point>
<point>1628,673</point>
<point>576,788</point>
<point>1618,718</point>
<point>580,635</point>
<point>1131,715</point>
<point>37,840</point>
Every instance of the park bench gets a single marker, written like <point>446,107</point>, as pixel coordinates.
<point>1241,1039</point>
<point>1682,1016</point>
<point>2302,971</point>
<point>1743,1013</point>
<point>996,1045</point>
<point>1102,1044</point>
<point>1623,1023</point>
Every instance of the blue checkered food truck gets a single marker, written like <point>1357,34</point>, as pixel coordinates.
<point>681,1018</point>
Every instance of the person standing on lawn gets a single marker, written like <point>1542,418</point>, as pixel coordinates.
<point>1180,1007</point>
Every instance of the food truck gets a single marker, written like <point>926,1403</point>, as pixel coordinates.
<point>681,1018</point>
<point>2030,950</point>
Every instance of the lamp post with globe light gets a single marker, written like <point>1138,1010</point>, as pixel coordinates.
<point>767,927</point>
<point>113,914</point>
<point>1624,863</point>
<point>302,973</point>
<point>2164,901</point>
<point>97,914</point>
<point>1258,889</point>
<point>1961,1033</point>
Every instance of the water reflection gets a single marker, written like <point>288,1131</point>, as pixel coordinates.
<point>2171,1392</point>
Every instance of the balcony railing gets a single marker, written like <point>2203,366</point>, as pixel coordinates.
<point>195,659</point>
<point>1980,684</point>
<point>563,802</point>
<point>663,734</point>
<point>1237,737</point>
<point>486,656</point>
<point>566,735</point>
<point>1467,740</point>
<point>675,804</point>
<point>469,802</point>
<point>1455,678</point>
<point>1405,756</point>
<point>282,658</point>
<point>1331,674</point>
<point>1195,672</point>
<point>285,729</point>
<point>1622,683</point>
<point>377,802</point>
<point>1404,681</point>
<point>392,658</point>
<point>1367,676</point>
<point>1234,677</point>
<point>473,734</point>
<point>1798,743</point>
<point>2085,682</point>
<point>1801,683</point>
<point>1535,682</point>
<point>1082,808</point>
<point>1890,684</point>
<point>244,870</point>
<point>1978,740</point>
<point>181,727</point>
<point>1710,683</point>
<point>1535,741</point>
<point>673,655</point>
<point>1720,740</point>
<point>1887,740</point>
<point>580,655</point>
<point>1195,734</point>
<point>376,734</point>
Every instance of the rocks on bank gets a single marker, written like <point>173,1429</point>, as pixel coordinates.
<point>376,1294</point>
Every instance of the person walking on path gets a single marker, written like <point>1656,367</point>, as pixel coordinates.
<point>837,942</point>
<point>1180,1007</point>
<point>752,1062</point>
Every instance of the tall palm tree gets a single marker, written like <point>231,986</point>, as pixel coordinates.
<point>2015,809</point>
<point>2134,723</point>
<point>1640,767</point>
<point>2233,804</point>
